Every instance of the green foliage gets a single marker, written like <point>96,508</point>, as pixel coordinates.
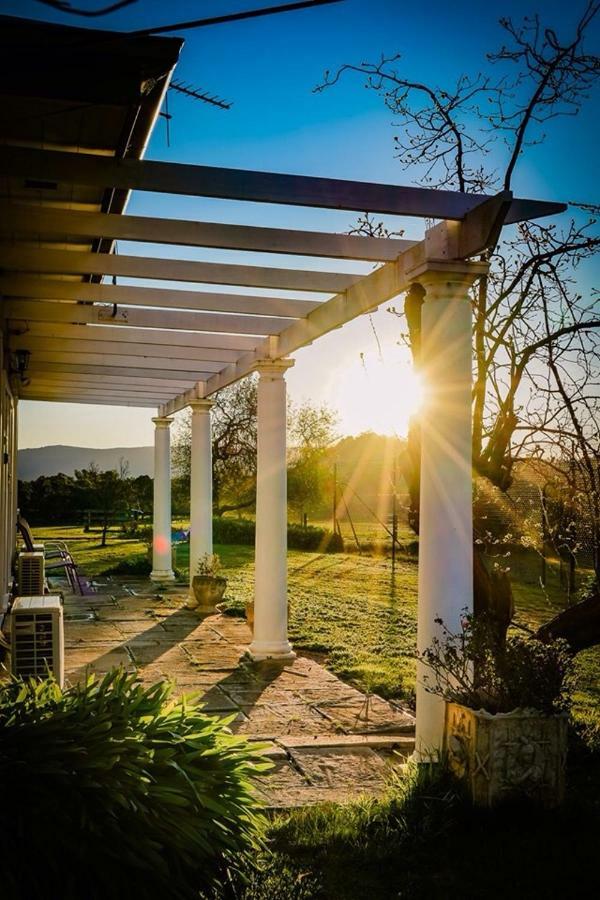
<point>64,498</point>
<point>208,564</point>
<point>242,531</point>
<point>480,671</point>
<point>111,790</point>
<point>311,433</point>
<point>132,565</point>
<point>273,877</point>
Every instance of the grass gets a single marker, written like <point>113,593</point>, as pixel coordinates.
<point>334,598</point>
<point>87,549</point>
<point>352,611</point>
<point>424,841</point>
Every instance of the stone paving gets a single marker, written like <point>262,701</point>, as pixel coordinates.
<point>327,740</point>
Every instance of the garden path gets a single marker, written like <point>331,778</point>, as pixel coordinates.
<point>326,739</point>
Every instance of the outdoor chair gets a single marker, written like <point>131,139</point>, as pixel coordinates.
<point>56,557</point>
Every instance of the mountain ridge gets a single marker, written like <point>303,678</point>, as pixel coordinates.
<point>33,462</point>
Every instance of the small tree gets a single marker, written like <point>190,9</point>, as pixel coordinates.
<point>311,432</point>
<point>233,447</point>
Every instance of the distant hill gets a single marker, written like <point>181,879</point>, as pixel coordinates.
<point>51,460</point>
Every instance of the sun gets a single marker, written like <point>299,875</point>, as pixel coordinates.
<point>378,396</point>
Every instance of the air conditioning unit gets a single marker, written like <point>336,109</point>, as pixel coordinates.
<point>37,638</point>
<point>30,574</point>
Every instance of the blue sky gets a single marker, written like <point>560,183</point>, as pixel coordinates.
<point>268,68</point>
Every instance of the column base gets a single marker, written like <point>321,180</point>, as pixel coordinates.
<point>162,575</point>
<point>261,650</point>
<point>425,757</point>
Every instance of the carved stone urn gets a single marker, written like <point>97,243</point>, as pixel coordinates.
<point>507,755</point>
<point>208,591</point>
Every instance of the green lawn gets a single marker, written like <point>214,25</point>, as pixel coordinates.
<point>352,610</point>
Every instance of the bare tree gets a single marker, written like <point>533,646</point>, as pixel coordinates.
<point>531,325</point>
<point>233,447</point>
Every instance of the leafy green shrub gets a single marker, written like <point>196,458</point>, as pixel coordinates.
<point>233,531</point>
<point>272,877</point>
<point>477,670</point>
<point>111,791</point>
<point>242,531</point>
<point>142,531</point>
<point>310,538</point>
<point>133,565</point>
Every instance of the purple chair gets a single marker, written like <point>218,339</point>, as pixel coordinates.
<point>56,556</point>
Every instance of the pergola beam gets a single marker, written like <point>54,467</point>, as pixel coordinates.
<point>82,398</point>
<point>41,357</point>
<point>125,371</point>
<point>16,258</point>
<point>74,313</point>
<point>217,346</point>
<point>114,382</point>
<point>264,187</point>
<point>180,356</point>
<point>47,222</point>
<point>92,392</point>
<point>165,298</point>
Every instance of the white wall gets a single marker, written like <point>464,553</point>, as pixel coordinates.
<point>8,478</point>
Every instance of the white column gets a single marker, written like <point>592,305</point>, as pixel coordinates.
<point>201,538</point>
<point>270,638</point>
<point>446,506</point>
<point>161,545</point>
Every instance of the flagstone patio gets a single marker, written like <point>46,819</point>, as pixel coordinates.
<point>327,740</point>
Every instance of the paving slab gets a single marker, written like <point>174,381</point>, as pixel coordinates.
<point>79,633</point>
<point>366,715</point>
<point>278,719</point>
<point>95,659</point>
<point>120,614</point>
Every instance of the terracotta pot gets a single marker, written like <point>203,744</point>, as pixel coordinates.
<point>517,754</point>
<point>208,591</point>
<point>250,613</point>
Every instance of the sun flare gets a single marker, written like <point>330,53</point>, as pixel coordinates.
<point>381,395</point>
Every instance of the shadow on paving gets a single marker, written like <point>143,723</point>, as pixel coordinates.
<point>326,739</point>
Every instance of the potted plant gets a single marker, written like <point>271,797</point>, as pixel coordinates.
<point>208,587</point>
<point>506,719</point>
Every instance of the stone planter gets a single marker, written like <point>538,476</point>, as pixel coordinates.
<point>208,591</point>
<point>516,754</point>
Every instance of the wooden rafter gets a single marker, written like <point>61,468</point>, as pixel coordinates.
<point>50,222</point>
<point>262,187</point>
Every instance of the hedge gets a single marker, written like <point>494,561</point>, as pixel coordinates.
<point>242,531</point>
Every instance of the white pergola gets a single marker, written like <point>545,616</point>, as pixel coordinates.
<point>78,108</point>
<point>95,342</point>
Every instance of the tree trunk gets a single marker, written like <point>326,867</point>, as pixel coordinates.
<point>492,596</point>
<point>578,625</point>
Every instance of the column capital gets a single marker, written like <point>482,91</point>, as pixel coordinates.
<point>203,406</point>
<point>447,280</point>
<point>273,368</point>
<point>162,421</point>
